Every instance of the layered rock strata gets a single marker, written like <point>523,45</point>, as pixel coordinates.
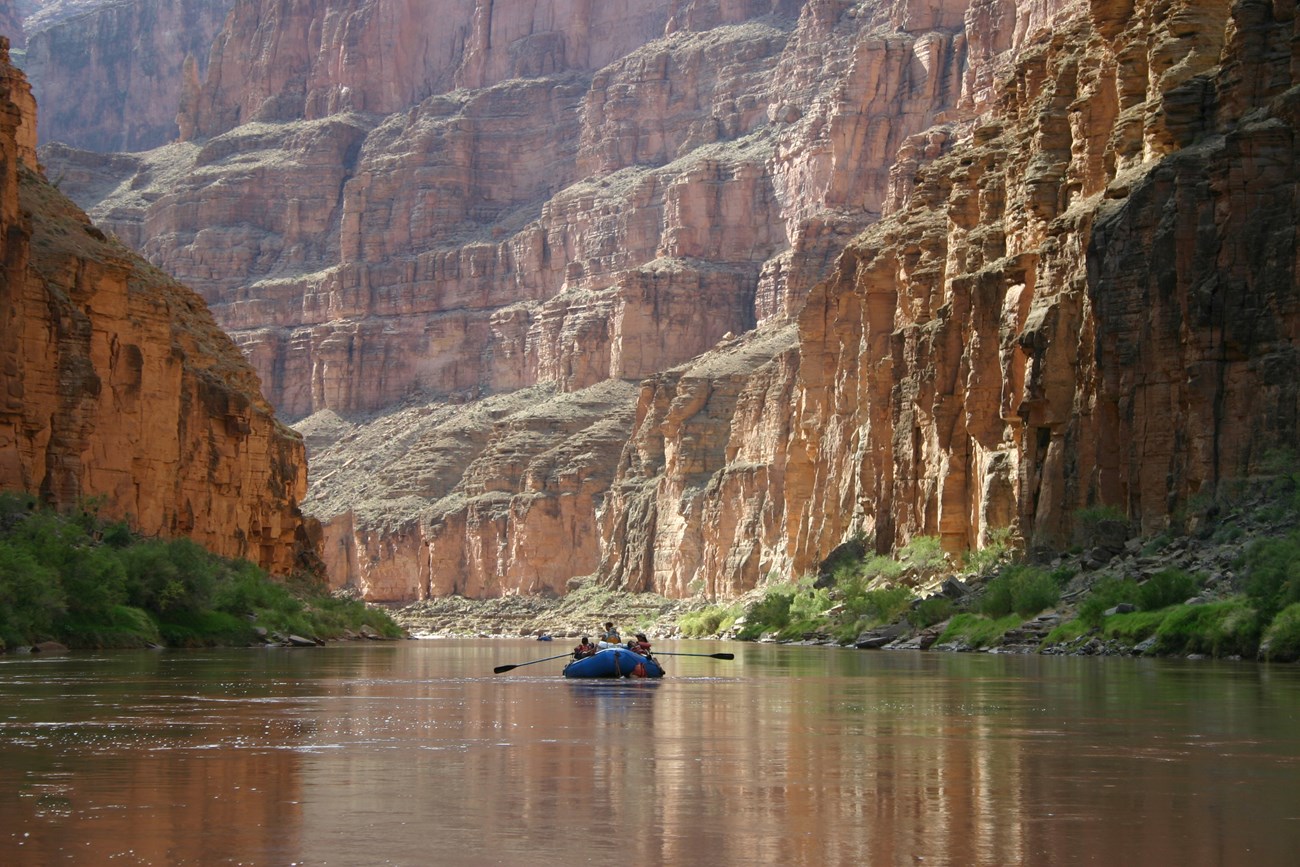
<point>1089,300</point>
<point>1083,296</point>
<point>110,75</point>
<point>880,270</point>
<point>120,388</point>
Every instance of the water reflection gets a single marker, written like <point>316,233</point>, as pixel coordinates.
<point>415,753</point>
<point>123,759</point>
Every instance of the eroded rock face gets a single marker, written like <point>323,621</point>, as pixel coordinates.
<point>1089,300</point>
<point>119,385</point>
<point>891,269</point>
<point>109,76</point>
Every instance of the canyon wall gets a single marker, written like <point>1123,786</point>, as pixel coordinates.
<point>119,386</point>
<point>683,294</point>
<point>110,76</point>
<point>11,24</point>
<point>1089,300</point>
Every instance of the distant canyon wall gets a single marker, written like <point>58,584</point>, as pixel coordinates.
<point>110,76</point>
<point>120,387</point>
<point>684,294</point>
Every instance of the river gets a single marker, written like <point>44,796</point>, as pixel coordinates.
<point>414,752</point>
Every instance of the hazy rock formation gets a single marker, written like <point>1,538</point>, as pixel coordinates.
<point>119,385</point>
<point>109,76</point>
<point>1059,239</point>
<point>11,23</point>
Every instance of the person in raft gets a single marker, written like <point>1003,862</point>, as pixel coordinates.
<point>611,635</point>
<point>641,645</point>
<point>584,649</point>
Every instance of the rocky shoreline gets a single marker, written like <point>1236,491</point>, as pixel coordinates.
<point>1211,547</point>
<point>580,612</point>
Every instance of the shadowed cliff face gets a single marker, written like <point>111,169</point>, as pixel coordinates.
<point>119,386</point>
<point>684,293</point>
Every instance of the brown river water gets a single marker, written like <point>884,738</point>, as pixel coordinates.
<point>415,753</point>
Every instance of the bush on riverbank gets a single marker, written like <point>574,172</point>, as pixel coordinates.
<point>1282,640</point>
<point>1223,580</point>
<point>86,582</point>
<point>1023,589</point>
<point>975,631</point>
<point>856,592</point>
<point>708,621</point>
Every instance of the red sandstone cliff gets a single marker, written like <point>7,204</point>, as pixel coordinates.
<point>118,384</point>
<point>571,316</point>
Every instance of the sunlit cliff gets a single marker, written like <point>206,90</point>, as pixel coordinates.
<point>683,293</point>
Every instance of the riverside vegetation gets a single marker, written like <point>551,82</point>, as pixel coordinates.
<point>89,583</point>
<point>1224,582</point>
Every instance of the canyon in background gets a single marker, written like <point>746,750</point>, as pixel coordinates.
<point>684,294</point>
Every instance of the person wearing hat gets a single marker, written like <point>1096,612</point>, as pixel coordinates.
<point>641,645</point>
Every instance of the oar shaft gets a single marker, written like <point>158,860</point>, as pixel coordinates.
<point>500,669</point>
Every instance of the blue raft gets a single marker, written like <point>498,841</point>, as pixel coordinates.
<point>614,662</point>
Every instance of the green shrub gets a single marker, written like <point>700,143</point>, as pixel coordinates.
<point>119,627</point>
<point>1282,638</point>
<point>1106,594</point>
<point>1093,516</point>
<point>1230,628</point>
<point>15,506</point>
<point>976,630</point>
<point>188,628</point>
<point>1273,573</point>
<point>245,591</point>
<point>706,622</point>
<point>810,604</point>
<point>878,606</point>
<point>929,611</point>
<point>94,581</point>
<point>879,566</point>
<point>1133,627</point>
<point>90,584</point>
<point>769,614</point>
<point>923,552</point>
<point>983,560</point>
<point>1166,587</point>
<point>1023,589</point>
<point>31,597</point>
<point>1067,631</point>
<point>167,576</point>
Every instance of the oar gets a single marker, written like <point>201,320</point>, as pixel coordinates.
<point>504,668</point>
<point>709,655</point>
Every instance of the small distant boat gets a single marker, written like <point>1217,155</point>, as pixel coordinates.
<point>544,638</point>
<point>614,662</point>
